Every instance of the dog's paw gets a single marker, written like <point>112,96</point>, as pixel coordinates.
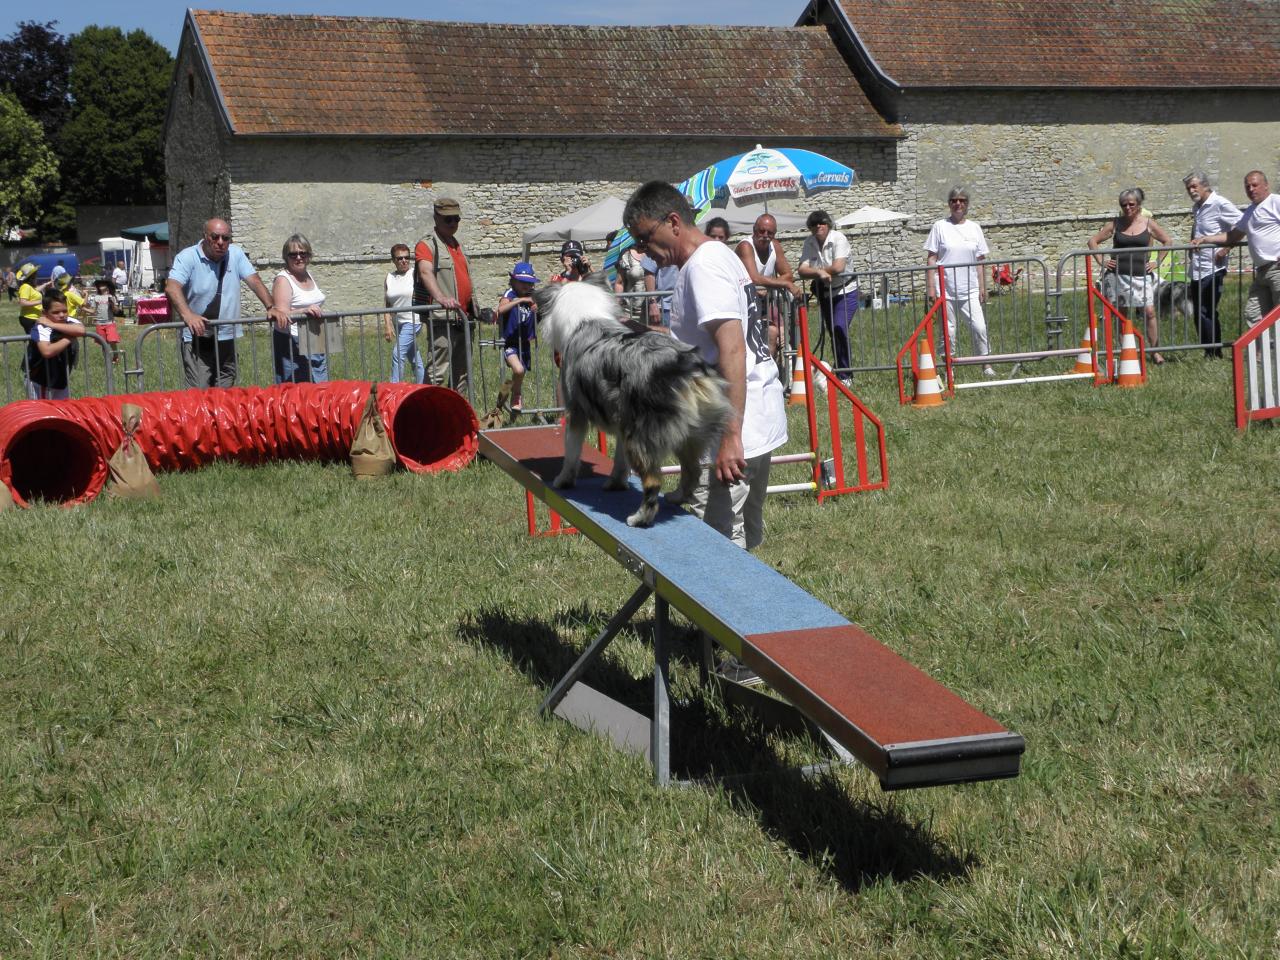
<point>615,483</point>
<point>642,518</point>
<point>564,480</point>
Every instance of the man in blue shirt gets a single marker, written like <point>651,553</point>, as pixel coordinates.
<point>198,290</point>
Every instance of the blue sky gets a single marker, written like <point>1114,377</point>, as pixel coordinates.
<point>163,18</point>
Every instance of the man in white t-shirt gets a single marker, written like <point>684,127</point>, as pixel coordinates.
<point>714,309</point>
<point>1260,224</point>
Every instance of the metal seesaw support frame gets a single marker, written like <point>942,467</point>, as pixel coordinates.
<point>866,701</point>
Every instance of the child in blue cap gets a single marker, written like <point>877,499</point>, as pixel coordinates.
<point>518,317</point>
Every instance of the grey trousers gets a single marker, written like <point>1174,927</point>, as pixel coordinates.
<point>737,511</point>
<point>208,362</point>
<point>447,364</point>
<point>1264,293</point>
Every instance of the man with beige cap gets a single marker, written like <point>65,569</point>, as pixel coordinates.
<point>442,276</point>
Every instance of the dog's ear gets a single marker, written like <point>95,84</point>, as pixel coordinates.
<point>599,279</point>
<point>544,297</point>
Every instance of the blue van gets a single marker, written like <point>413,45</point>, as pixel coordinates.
<point>45,262</point>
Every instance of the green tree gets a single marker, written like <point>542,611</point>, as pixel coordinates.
<point>111,146</point>
<point>35,66</point>
<point>27,165</point>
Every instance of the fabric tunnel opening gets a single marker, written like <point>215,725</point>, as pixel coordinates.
<point>433,429</point>
<point>55,461</point>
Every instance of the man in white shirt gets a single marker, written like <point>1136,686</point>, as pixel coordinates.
<point>1211,213</point>
<point>1260,225</point>
<point>120,278</point>
<point>714,309</point>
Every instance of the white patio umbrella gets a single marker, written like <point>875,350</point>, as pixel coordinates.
<point>590,223</point>
<point>871,215</point>
<point>864,216</point>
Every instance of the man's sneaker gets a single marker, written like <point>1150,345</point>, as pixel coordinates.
<point>989,371</point>
<point>731,668</point>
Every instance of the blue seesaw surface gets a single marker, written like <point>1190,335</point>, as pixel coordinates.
<point>910,729</point>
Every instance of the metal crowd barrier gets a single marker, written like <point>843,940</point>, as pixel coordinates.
<point>86,379</point>
<point>356,348</point>
<point>1176,322</point>
<point>892,300</point>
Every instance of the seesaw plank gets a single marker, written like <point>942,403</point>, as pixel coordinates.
<point>908,728</point>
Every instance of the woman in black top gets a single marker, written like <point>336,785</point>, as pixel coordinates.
<point>1134,274</point>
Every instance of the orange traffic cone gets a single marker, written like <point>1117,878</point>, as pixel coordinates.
<point>1129,372</point>
<point>928,384</point>
<point>798,393</point>
<point>1084,361</point>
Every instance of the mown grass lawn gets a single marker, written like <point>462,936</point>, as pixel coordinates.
<point>283,713</point>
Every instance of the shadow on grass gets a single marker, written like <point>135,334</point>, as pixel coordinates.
<point>857,842</point>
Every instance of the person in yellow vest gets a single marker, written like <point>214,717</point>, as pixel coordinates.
<point>74,298</point>
<point>30,297</point>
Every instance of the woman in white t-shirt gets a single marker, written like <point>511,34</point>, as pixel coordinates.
<point>402,328</point>
<point>957,244</point>
<point>296,291</point>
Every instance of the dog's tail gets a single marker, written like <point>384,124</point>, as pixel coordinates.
<point>707,399</point>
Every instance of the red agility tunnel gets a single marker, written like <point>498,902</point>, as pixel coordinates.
<point>57,450</point>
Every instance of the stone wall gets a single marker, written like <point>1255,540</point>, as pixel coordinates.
<point>1043,167</point>
<point>353,198</point>
<point>197,185</point>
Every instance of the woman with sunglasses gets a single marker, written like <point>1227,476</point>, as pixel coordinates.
<point>402,328</point>
<point>1132,276</point>
<point>958,245</point>
<point>299,349</point>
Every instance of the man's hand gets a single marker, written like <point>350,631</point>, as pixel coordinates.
<point>281,317</point>
<point>194,322</point>
<point>731,463</point>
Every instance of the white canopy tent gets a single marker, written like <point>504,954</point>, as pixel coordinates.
<point>590,223</point>
<point>871,215</point>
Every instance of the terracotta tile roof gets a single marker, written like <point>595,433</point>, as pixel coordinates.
<point>357,76</point>
<point>1069,43</point>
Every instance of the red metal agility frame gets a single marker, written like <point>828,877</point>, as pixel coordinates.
<point>556,525</point>
<point>908,349</point>
<point>1258,330</point>
<point>1109,313</point>
<point>861,413</point>
<point>835,391</point>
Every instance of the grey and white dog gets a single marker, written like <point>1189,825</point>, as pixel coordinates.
<point>653,393</point>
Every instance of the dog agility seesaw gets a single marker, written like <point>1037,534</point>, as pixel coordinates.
<point>868,702</point>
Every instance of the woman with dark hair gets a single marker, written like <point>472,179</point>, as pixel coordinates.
<point>717,228</point>
<point>824,259</point>
<point>1134,274</point>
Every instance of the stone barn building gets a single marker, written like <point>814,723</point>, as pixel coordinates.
<point>352,127</point>
<point>1046,110</point>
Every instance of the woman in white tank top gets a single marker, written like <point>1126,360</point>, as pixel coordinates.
<point>301,350</point>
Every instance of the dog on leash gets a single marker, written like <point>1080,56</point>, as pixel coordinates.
<point>653,393</point>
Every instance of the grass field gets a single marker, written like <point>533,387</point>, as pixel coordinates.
<point>282,713</point>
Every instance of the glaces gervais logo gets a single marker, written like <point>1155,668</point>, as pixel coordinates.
<point>764,185</point>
